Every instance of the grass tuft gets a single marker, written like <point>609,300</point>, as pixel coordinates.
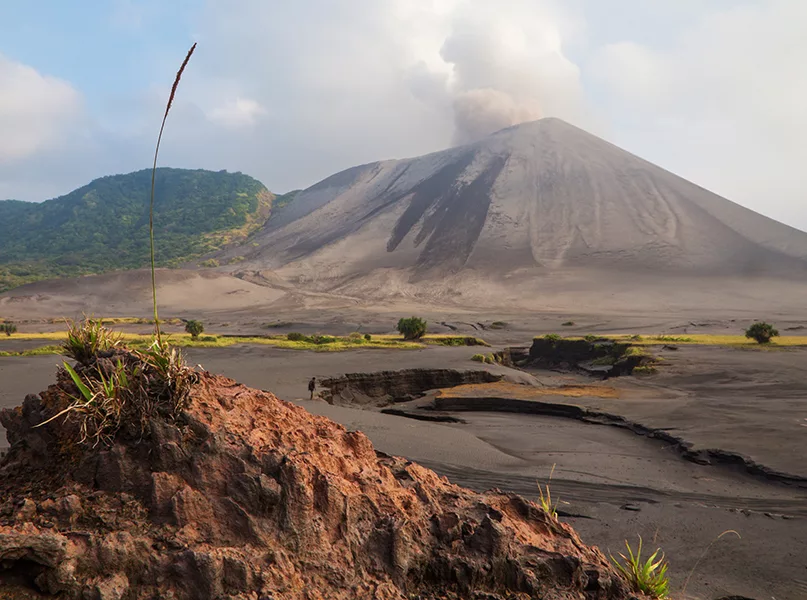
<point>121,389</point>
<point>649,577</point>
<point>86,339</point>
<point>702,556</point>
<point>545,498</point>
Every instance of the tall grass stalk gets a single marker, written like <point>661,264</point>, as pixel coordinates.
<point>153,176</point>
<point>702,556</point>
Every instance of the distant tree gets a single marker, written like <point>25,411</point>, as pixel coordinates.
<point>8,328</point>
<point>412,328</point>
<point>194,328</point>
<point>761,332</point>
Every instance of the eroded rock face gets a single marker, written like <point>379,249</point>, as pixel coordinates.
<point>389,387</point>
<point>602,357</point>
<point>249,497</point>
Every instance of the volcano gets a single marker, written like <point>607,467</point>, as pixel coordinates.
<point>541,196</point>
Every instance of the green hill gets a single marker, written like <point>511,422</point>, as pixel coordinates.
<point>103,226</point>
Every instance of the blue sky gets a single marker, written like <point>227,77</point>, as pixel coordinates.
<point>292,92</point>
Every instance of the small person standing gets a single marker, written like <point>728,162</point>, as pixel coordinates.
<point>312,385</point>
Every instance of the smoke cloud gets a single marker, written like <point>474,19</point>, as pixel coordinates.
<point>507,66</point>
<point>478,113</point>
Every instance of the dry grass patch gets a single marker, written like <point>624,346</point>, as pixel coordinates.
<point>506,389</point>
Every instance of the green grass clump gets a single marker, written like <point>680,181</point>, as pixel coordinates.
<point>545,498</point>
<point>552,337</point>
<point>635,351</point>
<point>645,370</point>
<point>122,388</point>
<point>479,358</point>
<point>648,577</point>
<point>87,338</point>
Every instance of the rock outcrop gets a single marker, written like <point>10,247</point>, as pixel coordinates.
<point>601,357</point>
<point>249,497</point>
<point>389,387</point>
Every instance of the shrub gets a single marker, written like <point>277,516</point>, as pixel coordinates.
<point>321,339</point>
<point>368,337</point>
<point>210,263</point>
<point>412,328</point>
<point>761,332</point>
<point>552,337</point>
<point>295,337</point>
<point>8,328</point>
<point>568,324</point>
<point>491,359</point>
<point>645,370</point>
<point>498,325</point>
<point>355,336</point>
<point>478,358</point>
<point>590,338</point>
<point>194,328</point>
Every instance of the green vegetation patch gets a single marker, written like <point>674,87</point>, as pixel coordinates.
<point>41,351</point>
<point>702,339</point>
<point>103,226</point>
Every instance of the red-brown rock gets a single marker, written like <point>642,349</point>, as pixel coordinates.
<point>249,497</point>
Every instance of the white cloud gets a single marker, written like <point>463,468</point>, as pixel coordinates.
<point>723,105</point>
<point>291,92</point>
<point>239,112</point>
<point>347,82</point>
<point>36,111</point>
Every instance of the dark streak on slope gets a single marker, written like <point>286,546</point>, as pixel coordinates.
<point>454,227</point>
<point>426,193</point>
<point>453,214</point>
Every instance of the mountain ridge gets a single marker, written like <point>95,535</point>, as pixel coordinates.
<point>103,225</point>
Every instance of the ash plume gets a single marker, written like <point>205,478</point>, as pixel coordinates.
<point>480,112</point>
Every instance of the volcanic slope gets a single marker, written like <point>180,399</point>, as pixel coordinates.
<point>543,195</point>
